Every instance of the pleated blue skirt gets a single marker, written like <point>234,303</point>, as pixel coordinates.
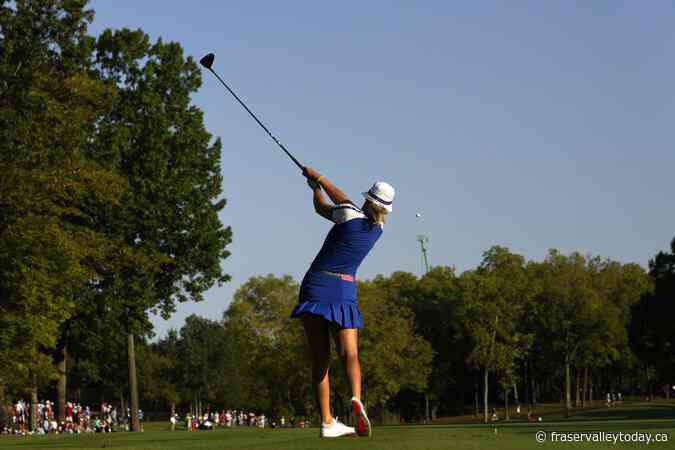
<point>330,297</point>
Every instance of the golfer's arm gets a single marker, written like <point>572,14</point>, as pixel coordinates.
<point>333,192</point>
<point>321,207</point>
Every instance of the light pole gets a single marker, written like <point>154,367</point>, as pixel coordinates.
<point>423,240</point>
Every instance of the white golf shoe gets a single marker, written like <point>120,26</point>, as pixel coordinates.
<point>336,429</point>
<point>363,427</point>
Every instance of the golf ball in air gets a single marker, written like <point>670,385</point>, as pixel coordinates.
<point>418,215</point>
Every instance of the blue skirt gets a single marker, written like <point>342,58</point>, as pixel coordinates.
<point>330,297</point>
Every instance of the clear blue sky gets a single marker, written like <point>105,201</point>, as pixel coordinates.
<point>526,124</point>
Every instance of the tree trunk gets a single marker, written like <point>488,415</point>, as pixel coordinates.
<point>526,384</point>
<point>133,384</point>
<point>568,390</point>
<point>515,393</point>
<point>485,395</point>
<point>62,354</point>
<point>506,404</point>
<point>3,410</point>
<point>34,409</point>
<point>590,389</point>
<point>584,395</point>
<point>577,399</point>
<point>123,407</point>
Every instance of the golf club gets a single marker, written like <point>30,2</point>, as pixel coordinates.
<point>207,61</point>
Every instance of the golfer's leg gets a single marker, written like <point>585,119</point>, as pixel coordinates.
<point>348,340</point>
<point>318,338</point>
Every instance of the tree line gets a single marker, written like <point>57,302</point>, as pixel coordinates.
<point>569,328</point>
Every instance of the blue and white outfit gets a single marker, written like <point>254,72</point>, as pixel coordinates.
<point>329,287</point>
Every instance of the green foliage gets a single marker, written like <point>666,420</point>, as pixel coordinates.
<point>429,335</point>
<point>110,191</point>
<point>438,311</point>
<point>160,382</point>
<point>584,306</point>
<point>568,308</point>
<point>652,333</point>
<point>200,349</point>
<point>270,369</point>
<point>51,195</point>
<point>157,141</point>
<point>496,296</point>
<point>393,357</point>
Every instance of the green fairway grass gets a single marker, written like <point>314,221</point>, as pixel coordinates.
<point>645,418</point>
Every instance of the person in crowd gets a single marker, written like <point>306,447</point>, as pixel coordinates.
<point>69,412</point>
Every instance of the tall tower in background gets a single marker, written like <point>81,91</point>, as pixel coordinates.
<point>424,240</point>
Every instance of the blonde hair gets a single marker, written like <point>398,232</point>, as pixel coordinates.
<point>377,213</point>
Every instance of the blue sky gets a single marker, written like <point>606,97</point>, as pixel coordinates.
<point>526,124</point>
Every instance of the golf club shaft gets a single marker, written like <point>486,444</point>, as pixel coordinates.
<point>297,163</point>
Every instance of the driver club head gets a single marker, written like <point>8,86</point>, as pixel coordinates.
<point>207,61</point>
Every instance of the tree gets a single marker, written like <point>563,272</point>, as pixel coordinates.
<point>271,372</point>
<point>51,195</point>
<point>156,140</point>
<point>393,357</point>
<point>570,312</point>
<point>436,303</point>
<point>619,287</point>
<point>651,329</point>
<point>496,295</point>
<point>159,368</point>
<point>200,351</point>
<point>105,152</point>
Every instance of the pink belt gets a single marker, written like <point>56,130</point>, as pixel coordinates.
<point>342,276</point>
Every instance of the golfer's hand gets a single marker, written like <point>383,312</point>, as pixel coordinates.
<point>313,185</point>
<point>310,173</point>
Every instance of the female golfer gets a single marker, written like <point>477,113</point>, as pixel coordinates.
<point>327,302</point>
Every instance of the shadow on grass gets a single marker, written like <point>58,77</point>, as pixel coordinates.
<point>633,412</point>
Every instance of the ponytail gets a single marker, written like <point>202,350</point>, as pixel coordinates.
<point>377,214</point>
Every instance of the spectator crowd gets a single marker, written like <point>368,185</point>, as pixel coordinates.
<point>78,419</point>
<point>232,418</point>
<point>15,419</point>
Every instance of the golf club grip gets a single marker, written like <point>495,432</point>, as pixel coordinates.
<point>297,163</point>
